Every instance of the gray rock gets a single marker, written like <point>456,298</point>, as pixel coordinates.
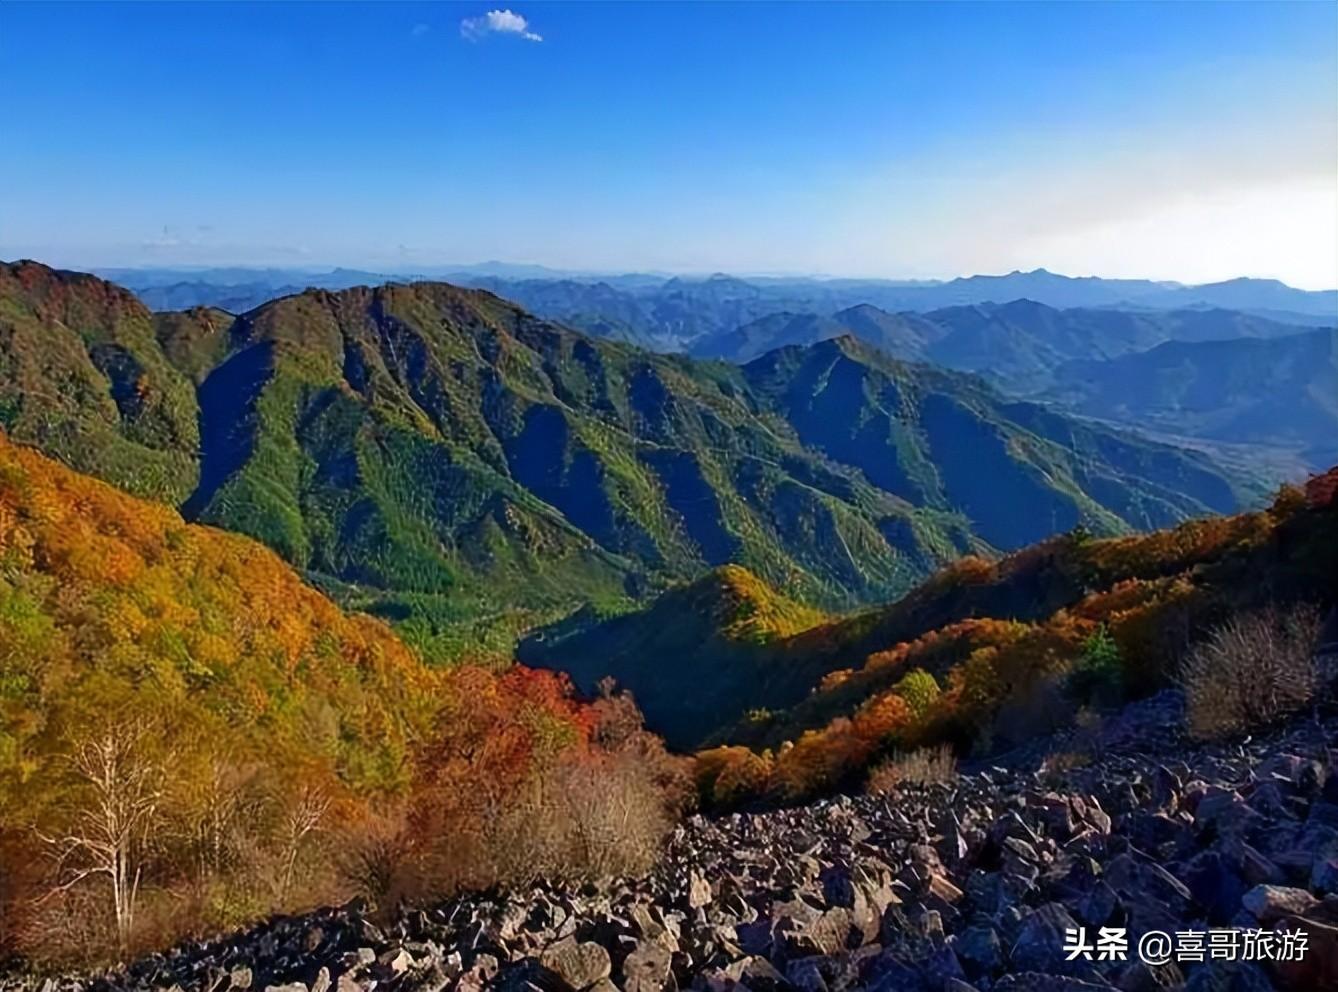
<point>699,890</point>
<point>1324,876</point>
<point>828,934</point>
<point>1228,976</point>
<point>1040,942</point>
<point>578,965</point>
<point>1272,902</point>
<point>806,974</point>
<point>946,888</point>
<point>1034,982</point>
<point>646,968</point>
<point>1139,976</point>
<point>979,947</point>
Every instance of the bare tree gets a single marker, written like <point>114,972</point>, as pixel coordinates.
<point>217,808</point>
<point>303,818</point>
<point>112,829</point>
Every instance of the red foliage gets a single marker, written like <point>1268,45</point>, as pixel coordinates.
<point>1322,490</point>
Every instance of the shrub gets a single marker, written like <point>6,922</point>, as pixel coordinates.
<point>377,857</point>
<point>593,808</point>
<point>732,774</point>
<point>1250,671</point>
<point>921,767</point>
<point>1098,677</point>
<point>600,819</point>
<point>919,689</point>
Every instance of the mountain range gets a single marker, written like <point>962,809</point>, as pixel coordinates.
<point>810,569</point>
<point>672,313</point>
<point>1017,344</point>
<point>443,458</point>
<point>1219,376</point>
<point>1016,329</point>
<point>1276,390</point>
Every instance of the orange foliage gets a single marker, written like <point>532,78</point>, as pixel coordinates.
<point>1166,552</point>
<point>1152,594</point>
<point>114,611</point>
<point>880,717</point>
<point>835,679</point>
<point>970,570</point>
<point>728,775</point>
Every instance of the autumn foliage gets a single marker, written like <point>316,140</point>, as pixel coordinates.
<point>1127,612</point>
<point>190,737</point>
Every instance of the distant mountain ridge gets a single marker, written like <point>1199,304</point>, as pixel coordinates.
<point>671,313</point>
<point>1252,390</point>
<point>1219,375</point>
<point>442,457</point>
<point>1016,343</point>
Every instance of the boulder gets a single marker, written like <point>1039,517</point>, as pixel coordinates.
<point>1040,941</point>
<point>699,890</point>
<point>1317,968</point>
<point>578,965</point>
<point>1271,902</point>
<point>646,968</point>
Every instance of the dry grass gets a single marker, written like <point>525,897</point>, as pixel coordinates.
<point>1250,672</point>
<point>242,849</point>
<point>921,767</point>
<point>594,820</point>
<point>1056,763</point>
<point>585,821</point>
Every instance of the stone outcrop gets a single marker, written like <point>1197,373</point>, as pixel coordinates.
<point>954,887</point>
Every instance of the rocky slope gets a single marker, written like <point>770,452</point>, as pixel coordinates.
<point>941,888</point>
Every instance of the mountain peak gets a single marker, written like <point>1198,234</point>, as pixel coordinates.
<point>1024,304</point>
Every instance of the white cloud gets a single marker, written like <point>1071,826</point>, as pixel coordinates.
<point>498,22</point>
<point>418,30</point>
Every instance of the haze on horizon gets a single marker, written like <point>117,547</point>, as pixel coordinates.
<point>1187,142</point>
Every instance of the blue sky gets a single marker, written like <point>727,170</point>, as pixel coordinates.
<point>1187,141</point>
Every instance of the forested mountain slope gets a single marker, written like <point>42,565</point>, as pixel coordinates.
<point>82,374</point>
<point>992,645</point>
<point>191,738</point>
<point>443,458</point>
<point>1277,391</point>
